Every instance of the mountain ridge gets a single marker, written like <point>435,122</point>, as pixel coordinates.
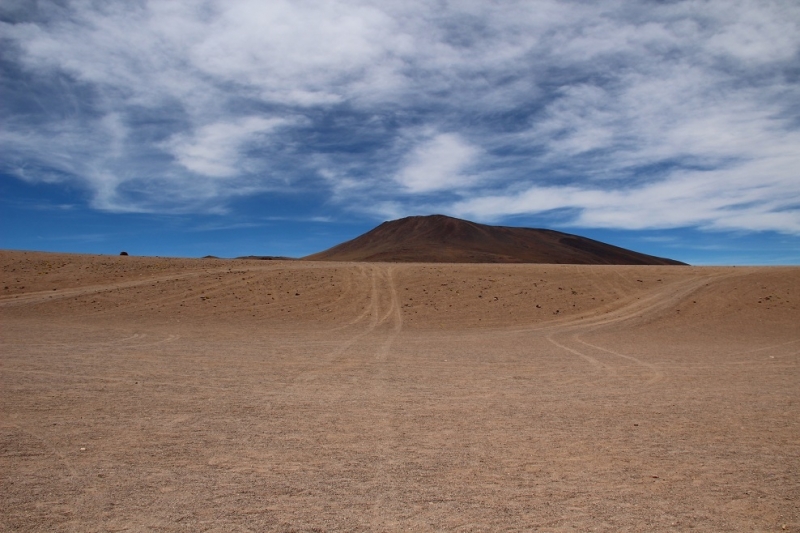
<point>444,239</point>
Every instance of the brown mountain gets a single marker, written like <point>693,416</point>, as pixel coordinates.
<point>443,239</point>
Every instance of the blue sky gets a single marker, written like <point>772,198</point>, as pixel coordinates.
<point>236,127</point>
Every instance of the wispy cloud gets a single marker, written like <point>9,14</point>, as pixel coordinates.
<point>642,115</point>
<point>219,150</point>
<point>438,163</point>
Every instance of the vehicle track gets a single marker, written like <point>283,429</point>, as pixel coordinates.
<point>385,428</point>
<point>71,292</point>
<point>569,337</point>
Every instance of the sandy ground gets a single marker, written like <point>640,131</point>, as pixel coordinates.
<point>145,394</point>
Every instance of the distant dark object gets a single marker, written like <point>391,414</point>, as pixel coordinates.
<point>123,253</point>
<point>443,239</point>
<point>209,257</point>
<point>267,258</point>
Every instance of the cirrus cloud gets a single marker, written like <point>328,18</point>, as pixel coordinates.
<point>438,163</point>
<point>636,115</point>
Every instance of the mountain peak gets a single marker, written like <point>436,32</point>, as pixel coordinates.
<point>444,239</point>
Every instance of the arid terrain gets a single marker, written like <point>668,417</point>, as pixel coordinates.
<point>152,394</point>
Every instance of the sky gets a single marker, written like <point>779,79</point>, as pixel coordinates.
<point>251,127</point>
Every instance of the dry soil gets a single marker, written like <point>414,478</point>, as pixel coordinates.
<point>147,394</point>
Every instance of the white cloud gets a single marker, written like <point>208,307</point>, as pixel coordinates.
<point>757,32</point>
<point>438,163</point>
<point>636,114</point>
<point>742,199</point>
<point>216,150</point>
<point>293,52</point>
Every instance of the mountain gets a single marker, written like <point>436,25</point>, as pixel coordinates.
<point>443,239</point>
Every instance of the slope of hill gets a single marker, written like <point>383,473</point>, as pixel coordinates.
<point>443,239</point>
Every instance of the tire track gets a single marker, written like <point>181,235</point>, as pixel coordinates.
<point>71,292</point>
<point>122,343</point>
<point>658,375</point>
<point>608,370</point>
<point>60,457</point>
<point>336,359</point>
<point>51,295</point>
<point>393,317</point>
<point>568,337</point>
<point>367,308</point>
<point>777,355</point>
<point>386,491</point>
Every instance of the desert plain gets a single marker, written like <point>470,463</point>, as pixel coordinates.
<point>159,394</point>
